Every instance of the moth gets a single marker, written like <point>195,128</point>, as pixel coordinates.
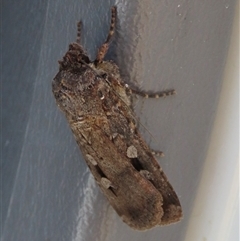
<point>98,106</point>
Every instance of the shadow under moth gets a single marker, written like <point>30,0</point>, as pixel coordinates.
<point>98,106</point>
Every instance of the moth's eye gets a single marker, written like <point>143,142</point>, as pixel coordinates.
<point>85,59</point>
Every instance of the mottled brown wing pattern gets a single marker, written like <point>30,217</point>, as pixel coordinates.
<point>97,104</point>
<point>136,187</point>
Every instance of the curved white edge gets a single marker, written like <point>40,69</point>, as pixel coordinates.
<point>215,214</point>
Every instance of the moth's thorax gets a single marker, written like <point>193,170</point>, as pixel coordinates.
<point>79,92</point>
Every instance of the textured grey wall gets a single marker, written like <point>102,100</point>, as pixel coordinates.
<point>47,190</point>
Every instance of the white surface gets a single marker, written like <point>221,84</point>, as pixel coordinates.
<point>215,213</point>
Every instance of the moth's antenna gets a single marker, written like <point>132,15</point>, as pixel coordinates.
<point>104,48</point>
<point>79,27</point>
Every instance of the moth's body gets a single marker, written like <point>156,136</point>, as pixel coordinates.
<point>97,105</point>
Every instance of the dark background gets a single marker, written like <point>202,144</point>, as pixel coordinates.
<point>47,191</point>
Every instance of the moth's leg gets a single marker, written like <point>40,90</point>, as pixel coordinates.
<point>155,95</point>
<point>79,27</point>
<point>157,153</point>
<point>104,48</point>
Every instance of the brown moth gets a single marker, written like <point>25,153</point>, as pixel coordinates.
<point>98,106</point>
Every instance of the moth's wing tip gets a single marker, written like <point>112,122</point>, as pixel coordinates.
<point>173,214</point>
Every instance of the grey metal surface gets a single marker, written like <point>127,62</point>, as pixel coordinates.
<point>47,190</point>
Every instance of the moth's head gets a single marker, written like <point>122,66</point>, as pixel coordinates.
<point>74,58</point>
